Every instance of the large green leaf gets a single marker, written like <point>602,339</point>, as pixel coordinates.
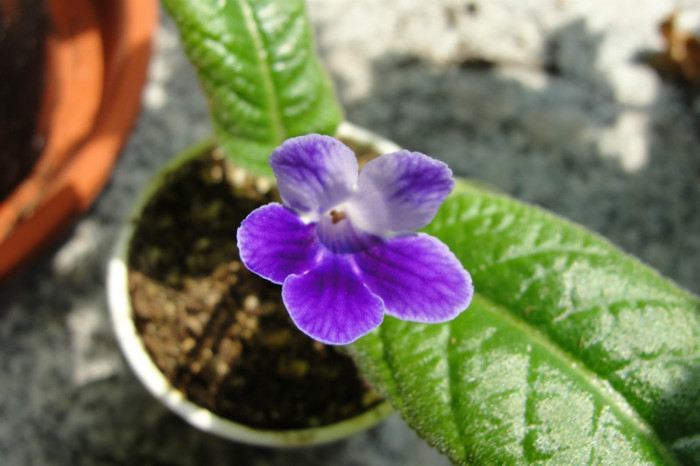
<point>258,67</point>
<point>571,352</point>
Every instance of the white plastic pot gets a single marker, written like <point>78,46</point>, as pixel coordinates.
<point>153,379</point>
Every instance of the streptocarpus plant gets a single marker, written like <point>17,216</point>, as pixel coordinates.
<point>571,352</point>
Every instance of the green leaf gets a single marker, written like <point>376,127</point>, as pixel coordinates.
<point>258,67</point>
<point>571,353</point>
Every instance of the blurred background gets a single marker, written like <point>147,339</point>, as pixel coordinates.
<point>573,106</point>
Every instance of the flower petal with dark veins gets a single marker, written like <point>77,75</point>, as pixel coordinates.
<point>274,243</point>
<point>314,172</point>
<point>398,192</point>
<point>418,278</point>
<point>330,303</point>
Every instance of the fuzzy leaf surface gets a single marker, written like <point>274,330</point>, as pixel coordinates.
<point>258,67</point>
<point>572,352</point>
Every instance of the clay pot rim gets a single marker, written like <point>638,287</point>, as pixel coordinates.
<point>137,357</point>
<point>28,227</point>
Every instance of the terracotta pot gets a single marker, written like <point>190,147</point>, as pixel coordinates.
<point>138,358</point>
<point>97,53</point>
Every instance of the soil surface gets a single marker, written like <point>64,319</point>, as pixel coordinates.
<point>218,332</point>
<point>23,27</point>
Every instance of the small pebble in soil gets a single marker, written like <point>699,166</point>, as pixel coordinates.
<point>251,303</point>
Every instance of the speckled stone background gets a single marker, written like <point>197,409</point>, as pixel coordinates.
<point>545,100</point>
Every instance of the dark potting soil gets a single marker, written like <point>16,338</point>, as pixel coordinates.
<point>218,332</point>
<point>23,27</point>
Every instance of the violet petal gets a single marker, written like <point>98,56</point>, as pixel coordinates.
<point>314,172</point>
<point>330,304</point>
<point>274,243</point>
<point>417,277</point>
<point>400,191</point>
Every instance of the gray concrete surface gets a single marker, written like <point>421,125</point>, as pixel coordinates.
<point>544,100</point>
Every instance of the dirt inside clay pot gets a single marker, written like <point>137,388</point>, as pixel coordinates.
<point>23,28</point>
<point>218,332</point>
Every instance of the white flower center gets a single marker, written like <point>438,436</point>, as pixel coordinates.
<point>338,233</point>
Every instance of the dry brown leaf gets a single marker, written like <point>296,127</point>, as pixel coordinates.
<point>682,55</point>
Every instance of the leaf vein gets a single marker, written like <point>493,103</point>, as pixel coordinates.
<point>264,66</point>
<point>548,252</point>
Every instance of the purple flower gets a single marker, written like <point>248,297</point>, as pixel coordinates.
<point>342,245</point>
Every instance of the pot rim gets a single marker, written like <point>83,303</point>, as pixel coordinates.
<point>153,379</point>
